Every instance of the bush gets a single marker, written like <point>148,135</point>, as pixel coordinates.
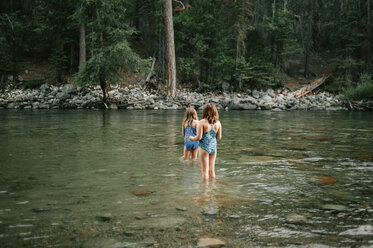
<point>363,91</point>
<point>33,83</point>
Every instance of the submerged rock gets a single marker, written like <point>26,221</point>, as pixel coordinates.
<point>211,211</point>
<point>141,192</point>
<point>104,218</point>
<point>327,180</point>
<point>181,208</point>
<point>334,207</point>
<point>210,242</point>
<point>361,230</point>
<point>295,219</point>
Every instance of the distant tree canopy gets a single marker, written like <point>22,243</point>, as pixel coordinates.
<point>239,43</point>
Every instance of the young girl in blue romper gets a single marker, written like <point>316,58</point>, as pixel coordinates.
<point>208,130</point>
<point>189,129</point>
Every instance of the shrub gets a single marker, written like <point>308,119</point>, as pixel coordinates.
<point>33,83</point>
<point>363,91</point>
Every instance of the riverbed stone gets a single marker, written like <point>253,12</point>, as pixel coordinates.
<point>104,217</point>
<point>160,222</point>
<point>210,242</point>
<point>334,207</point>
<point>295,219</point>
<point>359,231</point>
<point>210,211</point>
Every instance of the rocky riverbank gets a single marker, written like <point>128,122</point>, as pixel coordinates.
<point>71,97</point>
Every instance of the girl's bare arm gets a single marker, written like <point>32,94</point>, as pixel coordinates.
<point>199,132</point>
<point>182,130</point>
<point>220,131</point>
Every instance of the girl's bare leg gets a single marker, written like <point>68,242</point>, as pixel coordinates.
<point>212,158</point>
<point>186,154</point>
<point>194,154</point>
<point>204,159</point>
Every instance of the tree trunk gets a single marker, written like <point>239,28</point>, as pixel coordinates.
<point>307,64</point>
<point>103,88</point>
<point>82,47</point>
<point>170,48</point>
<point>368,57</point>
<point>72,53</point>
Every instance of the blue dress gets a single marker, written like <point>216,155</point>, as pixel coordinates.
<point>208,141</point>
<point>190,131</point>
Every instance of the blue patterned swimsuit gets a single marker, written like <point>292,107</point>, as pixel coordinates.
<point>208,141</point>
<point>190,131</point>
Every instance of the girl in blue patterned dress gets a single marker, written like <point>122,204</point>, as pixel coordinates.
<point>208,130</point>
<point>189,129</point>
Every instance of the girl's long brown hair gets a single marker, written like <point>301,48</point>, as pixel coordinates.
<point>210,113</point>
<point>190,115</point>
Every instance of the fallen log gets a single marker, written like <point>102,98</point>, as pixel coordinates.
<point>359,105</point>
<point>308,88</point>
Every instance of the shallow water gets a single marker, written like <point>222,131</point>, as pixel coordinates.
<point>296,179</point>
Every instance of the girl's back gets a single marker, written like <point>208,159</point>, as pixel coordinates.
<point>190,130</point>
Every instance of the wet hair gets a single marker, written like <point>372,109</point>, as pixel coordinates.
<point>190,115</point>
<point>210,113</point>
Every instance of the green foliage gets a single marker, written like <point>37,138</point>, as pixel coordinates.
<point>33,83</point>
<point>363,91</point>
<point>204,47</point>
<point>281,34</point>
<point>12,31</point>
<point>256,73</point>
<point>58,65</point>
<point>108,36</point>
<point>336,83</point>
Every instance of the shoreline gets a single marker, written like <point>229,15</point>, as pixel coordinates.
<point>71,97</point>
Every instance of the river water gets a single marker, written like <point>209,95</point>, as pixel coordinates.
<point>85,178</point>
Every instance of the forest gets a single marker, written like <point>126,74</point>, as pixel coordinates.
<point>231,44</point>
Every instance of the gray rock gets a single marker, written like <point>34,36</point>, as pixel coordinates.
<point>225,86</point>
<point>271,93</point>
<point>361,230</point>
<point>44,106</point>
<point>295,219</point>
<point>113,106</point>
<point>69,89</point>
<point>28,97</point>
<point>277,110</point>
<point>62,95</point>
<point>44,87</point>
<point>334,207</point>
<point>234,216</point>
<point>105,217</point>
<point>19,98</point>
<point>11,106</point>
<point>181,208</point>
<point>266,98</point>
<point>256,94</point>
<point>248,99</point>
<point>210,211</point>
<point>243,106</point>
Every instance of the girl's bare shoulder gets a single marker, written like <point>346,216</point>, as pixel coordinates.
<point>195,123</point>
<point>204,122</point>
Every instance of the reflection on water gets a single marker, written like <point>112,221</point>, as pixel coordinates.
<point>117,179</point>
